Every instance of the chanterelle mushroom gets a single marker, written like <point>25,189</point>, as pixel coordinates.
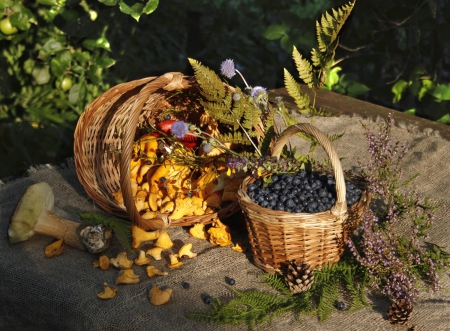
<point>32,215</point>
<point>185,250</point>
<point>158,297</point>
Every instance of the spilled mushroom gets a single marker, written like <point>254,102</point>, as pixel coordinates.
<point>33,215</point>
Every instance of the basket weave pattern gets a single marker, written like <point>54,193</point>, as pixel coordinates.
<point>105,134</point>
<point>316,239</point>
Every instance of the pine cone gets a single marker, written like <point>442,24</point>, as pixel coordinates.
<point>299,277</point>
<point>399,312</point>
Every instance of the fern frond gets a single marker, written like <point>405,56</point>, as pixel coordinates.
<point>211,86</point>
<point>235,137</point>
<point>329,27</point>
<point>304,68</point>
<point>293,88</point>
<point>277,282</point>
<point>328,297</point>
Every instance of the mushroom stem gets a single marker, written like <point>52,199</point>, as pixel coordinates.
<point>50,224</point>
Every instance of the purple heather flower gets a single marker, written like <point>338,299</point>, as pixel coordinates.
<point>256,91</point>
<point>179,129</point>
<point>227,68</point>
<point>206,148</point>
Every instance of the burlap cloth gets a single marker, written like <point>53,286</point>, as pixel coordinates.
<point>37,293</point>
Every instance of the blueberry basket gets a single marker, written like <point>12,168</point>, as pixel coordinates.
<point>313,238</point>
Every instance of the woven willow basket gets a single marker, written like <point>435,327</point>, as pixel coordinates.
<point>316,239</point>
<point>105,134</point>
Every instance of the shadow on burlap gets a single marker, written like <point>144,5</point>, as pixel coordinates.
<point>60,293</point>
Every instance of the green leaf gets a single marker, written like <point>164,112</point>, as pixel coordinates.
<point>6,4</point>
<point>41,74</point>
<point>332,78</point>
<point>411,111</point>
<point>22,19</point>
<point>50,47</point>
<point>442,92</point>
<point>150,7</point>
<point>101,42</point>
<point>275,31</point>
<point>59,64</point>
<point>398,90</point>
<point>77,93</point>
<point>48,2</point>
<point>109,2</point>
<point>427,86</point>
<point>444,119</point>
<point>82,57</point>
<point>104,61</point>
<point>95,74</point>
<point>134,10</point>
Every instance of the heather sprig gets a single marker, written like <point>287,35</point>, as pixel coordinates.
<point>395,261</point>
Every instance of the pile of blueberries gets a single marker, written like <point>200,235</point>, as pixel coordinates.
<point>301,192</point>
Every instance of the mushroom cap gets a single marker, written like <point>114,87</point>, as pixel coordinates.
<point>185,250</point>
<point>37,198</point>
<point>158,297</point>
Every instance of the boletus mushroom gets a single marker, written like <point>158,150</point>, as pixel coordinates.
<point>33,215</point>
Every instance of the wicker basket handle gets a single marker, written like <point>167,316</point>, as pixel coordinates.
<point>340,208</point>
<point>169,82</point>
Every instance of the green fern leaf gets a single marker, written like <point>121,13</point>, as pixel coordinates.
<point>304,68</point>
<point>210,83</point>
<point>293,88</point>
<point>235,137</point>
<point>328,297</point>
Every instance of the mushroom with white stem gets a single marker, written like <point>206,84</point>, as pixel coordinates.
<point>33,215</point>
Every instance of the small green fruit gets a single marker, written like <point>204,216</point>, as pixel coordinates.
<point>66,83</point>
<point>6,28</point>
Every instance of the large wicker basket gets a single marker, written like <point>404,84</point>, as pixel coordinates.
<point>105,134</point>
<point>277,236</point>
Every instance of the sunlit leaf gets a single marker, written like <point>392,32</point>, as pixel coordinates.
<point>41,74</point>
<point>398,90</point>
<point>95,74</point>
<point>77,93</point>
<point>109,2</point>
<point>104,61</point>
<point>99,43</point>
<point>135,10</point>
<point>48,2</point>
<point>442,92</point>
<point>50,47</point>
<point>150,7</point>
<point>275,31</point>
<point>444,119</point>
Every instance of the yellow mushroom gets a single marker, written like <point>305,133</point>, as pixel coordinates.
<point>121,261</point>
<point>158,297</point>
<point>108,292</point>
<point>142,259</point>
<point>127,276</point>
<point>174,262</point>
<point>149,214</point>
<point>219,234</point>
<point>153,271</point>
<point>164,241</point>
<point>185,250</point>
<point>198,231</point>
<point>55,248</point>
<point>155,252</point>
<point>102,262</point>
<point>139,236</point>
<point>239,248</point>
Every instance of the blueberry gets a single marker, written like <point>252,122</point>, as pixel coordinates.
<point>185,285</point>
<point>207,299</point>
<point>340,305</point>
<point>230,281</point>
<point>251,187</point>
<point>275,178</point>
<point>148,162</point>
<point>289,203</point>
<point>277,187</point>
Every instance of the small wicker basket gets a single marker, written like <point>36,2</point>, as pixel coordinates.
<point>316,239</point>
<point>105,134</point>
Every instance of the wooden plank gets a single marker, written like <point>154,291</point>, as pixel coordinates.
<point>342,104</point>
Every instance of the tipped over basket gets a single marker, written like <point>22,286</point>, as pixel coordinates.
<point>104,139</point>
<point>312,238</point>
